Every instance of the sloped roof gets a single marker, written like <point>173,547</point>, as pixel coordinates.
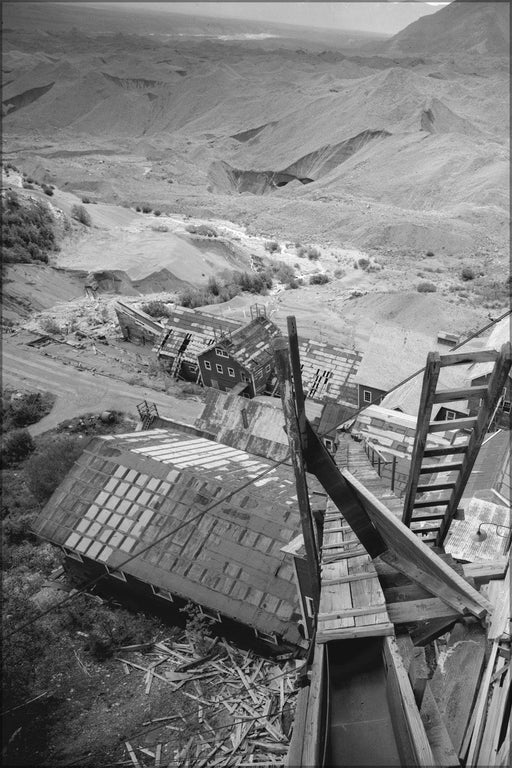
<point>191,331</point>
<point>251,344</point>
<point>407,396</point>
<point>127,491</point>
<point>329,372</point>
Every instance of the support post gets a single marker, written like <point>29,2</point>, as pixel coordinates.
<point>283,370</point>
<point>293,340</point>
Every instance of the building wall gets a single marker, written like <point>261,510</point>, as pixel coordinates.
<point>222,379</point>
<point>376,395</point>
<point>503,414</point>
<point>132,331</point>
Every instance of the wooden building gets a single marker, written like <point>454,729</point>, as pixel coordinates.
<point>329,372</point>
<point>242,360</point>
<point>137,325</point>
<point>135,493</point>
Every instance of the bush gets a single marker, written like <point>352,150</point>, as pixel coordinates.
<point>138,208</point>
<point>156,309</point>
<point>48,466</point>
<point>363,263</point>
<point>86,200</point>
<point>313,253</point>
<point>467,273</point>
<point>48,191</point>
<point>28,409</point>
<point>320,279</point>
<point>201,229</point>
<point>426,288</point>
<point>157,213</point>
<point>79,213</point>
<point>146,209</point>
<point>272,246</point>
<point>49,325</point>
<point>16,446</point>
<point>430,254</point>
<point>27,230</point>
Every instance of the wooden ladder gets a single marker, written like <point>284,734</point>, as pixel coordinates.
<point>427,512</point>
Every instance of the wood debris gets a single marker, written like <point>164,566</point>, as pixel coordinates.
<point>232,706</point>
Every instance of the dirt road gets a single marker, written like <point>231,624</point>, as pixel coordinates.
<point>81,391</point>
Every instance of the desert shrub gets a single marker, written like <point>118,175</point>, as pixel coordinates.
<point>16,446</point>
<point>430,254</point>
<point>27,186</point>
<point>426,287</point>
<point>253,283</point>
<point>79,213</point>
<point>49,325</point>
<point>313,253</point>
<point>160,228</point>
<point>339,273</point>
<point>138,208</point>
<point>272,246</point>
<point>363,263</point>
<point>146,209</point>
<point>320,279</point>
<point>47,467</point>
<point>283,272</point>
<point>157,213</point>
<point>213,286</point>
<point>30,180</point>
<point>27,230</point>
<point>48,191</point>
<point>467,273</point>
<point>85,200</point>
<point>156,309</point>
<point>202,229</point>
<point>28,409</point>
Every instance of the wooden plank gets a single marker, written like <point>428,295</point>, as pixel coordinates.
<point>313,730</point>
<point>448,450</point>
<point>453,466</point>
<point>414,553</point>
<point>430,503</point>
<point>419,610</point>
<point>444,753</point>
<point>421,750</point>
<point>426,631</point>
<point>348,578</point>
<point>429,385</point>
<point>486,571</point>
<point>477,356</point>
<point>456,680</point>
<point>369,609</point>
<point>345,555</point>
<point>452,424</point>
<point>370,630</point>
<point>481,708</point>
<point>434,487</point>
<point>449,395</point>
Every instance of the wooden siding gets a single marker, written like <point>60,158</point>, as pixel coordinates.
<point>222,380</point>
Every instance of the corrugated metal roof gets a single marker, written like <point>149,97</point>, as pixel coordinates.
<point>251,344</point>
<point>328,372</point>
<point>127,491</point>
<point>193,329</point>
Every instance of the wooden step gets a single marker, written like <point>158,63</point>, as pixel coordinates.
<point>447,451</point>
<point>453,467</point>
<point>426,518</point>
<point>426,529</point>
<point>445,426</point>
<point>431,503</point>
<point>448,395</point>
<point>478,356</point>
<point>434,487</point>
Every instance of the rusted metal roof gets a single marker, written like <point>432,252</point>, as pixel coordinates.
<point>190,331</point>
<point>329,372</point>
<point>127,491</point>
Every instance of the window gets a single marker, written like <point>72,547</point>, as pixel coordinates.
<point>450,415</point>
<point>74,555</point>
<point>221,353</point>
<point>245,378</point>
<point>115,574</point>
<point>207,365</point>
<point>506,406</point>
<point>219,368</point>
<point>310,608</point>
<point>270,637</point>
<point>328,444</point>
<point>367,396</point>
<point>231,372</point>
<point>267,368</point>
<point>163,593</point>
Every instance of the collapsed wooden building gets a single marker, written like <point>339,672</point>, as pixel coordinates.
<point>248,514</point>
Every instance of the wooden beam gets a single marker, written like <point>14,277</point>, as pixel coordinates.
<point>479,356</point>
<point>352,633</point>
<point>285,383</point>
<point>415,558</point>
<point>411,611</point>
<point>349,577</point>
<point>293,341</point>
<point>448,426</point>
<point>424,413</point>
<point>449,395</point>
<point>365,611</point>
<point>486,571</point>
<point>320,463</point>
<point>447,450</point>
<point>448,467</point>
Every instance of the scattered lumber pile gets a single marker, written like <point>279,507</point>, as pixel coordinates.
<point>228,707</point>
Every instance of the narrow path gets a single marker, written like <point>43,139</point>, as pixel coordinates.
<point>81,392</point>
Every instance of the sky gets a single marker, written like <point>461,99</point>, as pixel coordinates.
<point>386,17</point>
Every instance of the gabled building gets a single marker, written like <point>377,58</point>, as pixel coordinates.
<point>241,361</point>
<point>135,493</point>
<point>187,333</point>
<point>329,372</point>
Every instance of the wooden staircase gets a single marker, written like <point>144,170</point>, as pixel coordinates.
<point>430,507</point>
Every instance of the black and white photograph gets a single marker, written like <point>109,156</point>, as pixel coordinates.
<point>256,384</point>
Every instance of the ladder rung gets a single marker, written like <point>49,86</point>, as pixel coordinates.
<point>478,356</point>
<point>447,395</point>
<point>427,529</point>
<point>431,503</point>
<point>446,451</point>
<point>446,426</point>
<point>436,487</point>
<point>426,518</point>
<point>453,467</point>
<point>429,539</point>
